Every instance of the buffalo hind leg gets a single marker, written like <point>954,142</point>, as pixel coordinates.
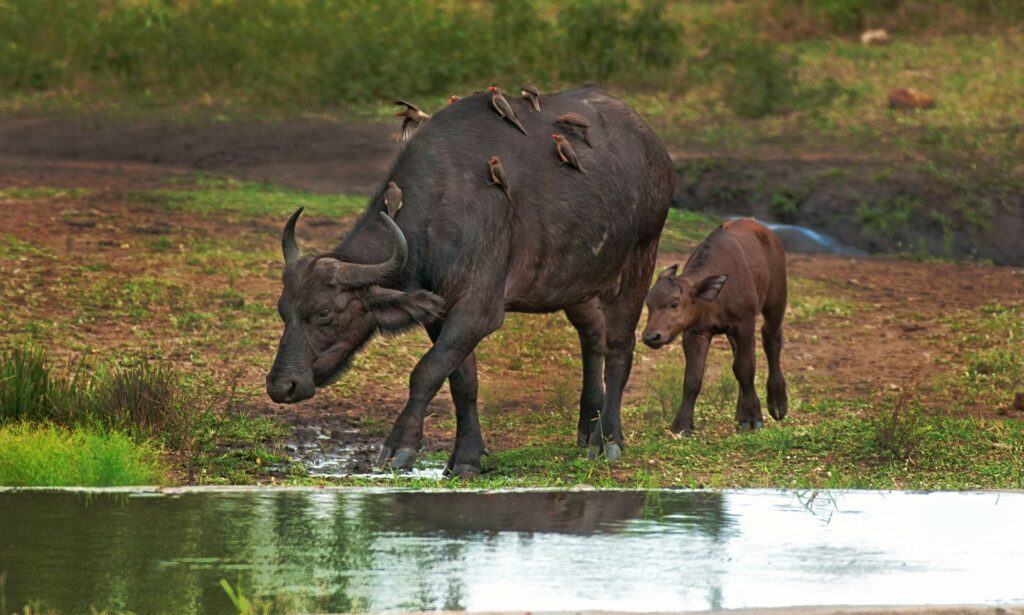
<point>771,338</point>
<point>748,407</point>
<point>462,330</point>
<point>621,314</point>
<point>469,440</point>
<point>695,346</point>
<point>589,322</point>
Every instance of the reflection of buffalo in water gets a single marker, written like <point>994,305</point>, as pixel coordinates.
<point>564,512</point>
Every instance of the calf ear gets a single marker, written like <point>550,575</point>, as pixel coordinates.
<point>671,271</point>
<point>395,310</point>
<point>709,287</point>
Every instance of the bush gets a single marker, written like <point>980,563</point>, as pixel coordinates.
<point>897,431</point>
<point>763,78</point>
<point>142,399</point>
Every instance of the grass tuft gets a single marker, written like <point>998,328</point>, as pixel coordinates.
<point>53,456</point>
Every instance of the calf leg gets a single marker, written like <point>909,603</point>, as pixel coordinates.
<point>589,322</point>
<point>469,441</point>
<point>462,330</point>
<point>748,407</point>
<point>695,346</point>
<point>771,337</point>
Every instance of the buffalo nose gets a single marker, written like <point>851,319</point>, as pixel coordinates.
<point>651,337</point>
<point>281,390</point>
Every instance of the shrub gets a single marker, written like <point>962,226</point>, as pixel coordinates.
<point>897,430</point>
<point>143,399</point>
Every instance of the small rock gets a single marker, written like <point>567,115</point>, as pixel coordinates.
<point>909,98</point>
<point>1018,402</point>
<point>911,328</point>
<point>877,36</point>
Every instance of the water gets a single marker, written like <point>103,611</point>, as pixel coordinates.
<point>339,550</point>
<point>807,240</point>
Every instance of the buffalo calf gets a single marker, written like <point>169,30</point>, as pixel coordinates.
<point>736,273</point>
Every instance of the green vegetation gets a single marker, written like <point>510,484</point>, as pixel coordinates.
<point>165,346</point>
<point>47,456</point>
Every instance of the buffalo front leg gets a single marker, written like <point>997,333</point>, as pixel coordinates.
<point>589,322</point>
<point>748,407</point>
<point>695,347</point>
<point>461,332</point>
<point>469,441</point>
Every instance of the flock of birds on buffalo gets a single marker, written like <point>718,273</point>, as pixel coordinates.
<point>575,124</point>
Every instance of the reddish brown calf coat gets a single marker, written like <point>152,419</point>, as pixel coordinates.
<point>734,274</point>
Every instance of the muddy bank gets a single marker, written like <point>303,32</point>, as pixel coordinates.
<point>878,206</point>
<point>871,203</point>
<point>312,155</point>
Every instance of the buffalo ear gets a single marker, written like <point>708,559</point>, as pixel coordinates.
<point>669,272</point>
<point>395,310</point>
<point>709,287</point>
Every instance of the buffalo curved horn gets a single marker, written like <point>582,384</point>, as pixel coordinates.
<point>288,244</point>
<point>354,275</point>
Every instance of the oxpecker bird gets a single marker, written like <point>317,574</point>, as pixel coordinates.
<point>577,123</point>
<point>453,98</point>
<point>504,109</point>
<point>566,153</point>
<point>531,92</point>
<point>498,177</point>
<point>413,118</point>
<point>393,199</point>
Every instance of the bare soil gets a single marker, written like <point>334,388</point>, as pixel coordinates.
<point>897,329</point>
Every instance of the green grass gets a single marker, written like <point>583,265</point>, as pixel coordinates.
<point>51,456</point>
<point>204,311</point>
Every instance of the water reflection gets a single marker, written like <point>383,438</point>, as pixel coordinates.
<point>344,550</point>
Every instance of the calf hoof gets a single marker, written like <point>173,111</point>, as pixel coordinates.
<point>463,471</point>
<point>778,412</point>
<point>403,459</point>
<point>612,451</point>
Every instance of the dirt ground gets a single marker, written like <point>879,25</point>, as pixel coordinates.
<point>893,338</point>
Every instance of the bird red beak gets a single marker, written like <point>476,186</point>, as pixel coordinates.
<point>491,88</point>
<point>399,114</point>
<point>554,136</point>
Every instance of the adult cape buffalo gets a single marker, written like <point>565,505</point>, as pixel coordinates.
<point>459,255</point>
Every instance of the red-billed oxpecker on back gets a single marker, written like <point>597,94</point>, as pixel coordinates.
<point>738,272</point>
<point>461,254</point>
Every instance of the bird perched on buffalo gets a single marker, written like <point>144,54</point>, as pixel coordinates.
<point>413,118</point>
<point>531,93</point>
<point>577,123</point>
<point>498,177</point>
<point>566,153</point>
<point>500,104</point>
<point>453,98</point>
<point>393,199</point>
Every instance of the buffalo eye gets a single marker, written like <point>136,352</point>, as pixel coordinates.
<point>675,305</point>
<point>323,317</point>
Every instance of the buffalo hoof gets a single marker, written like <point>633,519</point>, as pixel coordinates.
<point>582,438</point>
<point>778,413</point>
<point>612,451</point>
<point>750,425</point>
<point>383,457</point>
<point>463,470</point>
<point>403,459</point>
<point>593,452</point>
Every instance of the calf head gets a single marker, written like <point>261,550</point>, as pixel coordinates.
<point>674,305</point>
<point>331,308</point>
